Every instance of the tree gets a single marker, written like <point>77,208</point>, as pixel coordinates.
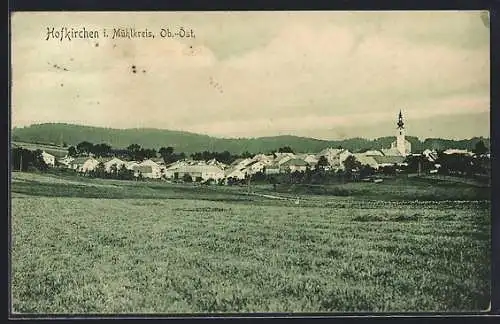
<point>322,163</point>
<point>85,147</point>
<point>351,163</point>
<point>134,151</point>
<point>23,159</point>
<point>187,178</point>
<point>101,150</point>
<point>72,151</point>
<point>285,149</point>
<point>366,171</point>
<point>166,153</point>
<point>480,148</point>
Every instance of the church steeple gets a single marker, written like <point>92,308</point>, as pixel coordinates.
<point>401,144</point>
<point>401,124</point>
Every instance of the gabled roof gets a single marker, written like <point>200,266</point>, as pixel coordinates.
<point>389,159</point>
<point>79,160</point>
<point>391,152</point>
<point>366,160</point>
<point>115,160</point>
<point>199,169</point>
<point>149,162</point>
<point>143,168</point>
<point>296,162</point>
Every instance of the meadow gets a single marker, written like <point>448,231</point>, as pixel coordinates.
<point>84,245</point>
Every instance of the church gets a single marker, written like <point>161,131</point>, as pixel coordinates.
<point>401,146</point>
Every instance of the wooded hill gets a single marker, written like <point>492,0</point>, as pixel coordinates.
<point>68,134</point>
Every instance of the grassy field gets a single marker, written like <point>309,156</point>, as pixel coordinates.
<point>157,247</point>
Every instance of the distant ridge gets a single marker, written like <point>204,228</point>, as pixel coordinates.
<point>188,142</point>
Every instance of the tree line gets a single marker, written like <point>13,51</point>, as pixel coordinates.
<point>27,160</point>
<point>137,153</point>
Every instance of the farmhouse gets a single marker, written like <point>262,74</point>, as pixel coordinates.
<point>236,173</point>
<point>458,151</point>
<point>114,161</point>
<point>383,161</point>
<point>90,164</point>
<point>272,169</point>
<point>367,160</point>
<point>255,166</point>
<point>335,157</point>
<point>199,172</point>
<point>155,171</point>
<point>295,165</point>
<point>374,153</point>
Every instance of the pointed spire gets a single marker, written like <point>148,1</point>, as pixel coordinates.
<point>400,120</point>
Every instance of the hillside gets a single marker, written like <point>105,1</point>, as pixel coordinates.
<point>59,133</point>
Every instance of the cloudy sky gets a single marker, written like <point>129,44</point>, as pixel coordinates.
<point>327,75</point>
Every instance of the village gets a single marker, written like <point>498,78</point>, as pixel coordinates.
<point>396,156</point>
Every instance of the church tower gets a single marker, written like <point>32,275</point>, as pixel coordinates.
<point>400,138</point>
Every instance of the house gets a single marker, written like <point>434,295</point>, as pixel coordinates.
<point>391,152</point>
<point>145,171</point>
<point>236,173</point>
<point>295,165</point>
<point>367,160</point>
<point>49,159</point>
<point>384,161</point>
<point>239,163</point>
<point>200,172</point>
<point>430,155</point>
<point>264,159</point>
<point>131,164</point>
<point>373,153</point>
<point>158,160</point>
<point>272,169</point>
<point>76,163</point>
<point>66,161</point>
<point>90,164</point>
<point>282,158</point>
<point>155,171</point>
<point>216,163</point>
<point>114,161</point>
<point>458,151</point>
<point>255,167</point>
<point>335,157</point>
<point>310,159</point>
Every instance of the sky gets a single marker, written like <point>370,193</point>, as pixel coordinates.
<point>327,75</point>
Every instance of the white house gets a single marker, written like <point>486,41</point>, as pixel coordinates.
<point>236,173</point>
<point>335,157</point>
<point>458,151</point>
<point>367,160</point>
<point>150,169</point>
<point>131,165</point>
<point>200,172</point>
<point>114,161</point>
<point>255,166</point>
<point>373,153</point>
<point>295,165</point>
<point>310,159</point>
<point>284,157</point>
<point>90,164</point>
<point>49,159</point>
<point>430,155</point>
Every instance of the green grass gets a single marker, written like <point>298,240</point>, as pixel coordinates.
<point>156,247</point>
